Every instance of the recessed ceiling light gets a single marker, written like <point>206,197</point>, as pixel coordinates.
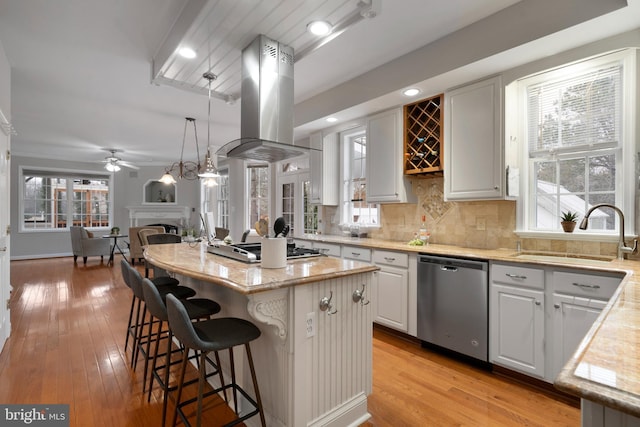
<point>187,52</point>
<point>411,91</point>
<point>319,28</point>
<point>332,119</point>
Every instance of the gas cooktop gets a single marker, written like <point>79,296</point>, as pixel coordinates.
<point>250,252</point>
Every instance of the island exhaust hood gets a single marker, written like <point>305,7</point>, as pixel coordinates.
<point>266,121</point>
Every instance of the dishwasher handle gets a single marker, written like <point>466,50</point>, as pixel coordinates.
<point>448,268</point>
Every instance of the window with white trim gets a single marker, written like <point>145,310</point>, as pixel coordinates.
<point>54,199</point>
<point>258,183</point>
<point>576,133</point>
<point>222,199</point>
<point>355,209</point>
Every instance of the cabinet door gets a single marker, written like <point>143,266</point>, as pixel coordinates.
<point>473,145</point>
<point>323,165</point>
<point>390,302</point>
<point>517,328</point>
<point>384,174</point>
<point>572,318</point>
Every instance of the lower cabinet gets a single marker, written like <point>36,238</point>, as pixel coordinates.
<point>596,415</point>
<point>391,290</point>
<point>516,319</point>
<point>535,338</point>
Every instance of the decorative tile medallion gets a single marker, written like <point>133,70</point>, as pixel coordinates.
<point>432,200</point>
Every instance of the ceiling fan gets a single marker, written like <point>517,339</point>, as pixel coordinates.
<point>113,163</point>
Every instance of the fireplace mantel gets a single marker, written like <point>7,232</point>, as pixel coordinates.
<point>158,212</point>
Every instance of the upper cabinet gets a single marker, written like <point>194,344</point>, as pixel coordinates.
<point>386,182</point>
<point>324,167</point>
<point>423,136</point>
<point>474,166</point>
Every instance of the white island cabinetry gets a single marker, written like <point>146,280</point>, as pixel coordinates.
<point>313,366</point>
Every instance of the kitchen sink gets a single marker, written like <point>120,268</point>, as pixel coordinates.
<point>564,258</point>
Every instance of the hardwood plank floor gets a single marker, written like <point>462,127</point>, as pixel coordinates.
<point>67,346</point>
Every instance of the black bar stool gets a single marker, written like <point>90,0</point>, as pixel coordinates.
<point>197,308</point>
<point>139,334</point>
<point>205,337</point>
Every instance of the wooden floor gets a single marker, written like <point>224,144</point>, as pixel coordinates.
<point>67,346</point>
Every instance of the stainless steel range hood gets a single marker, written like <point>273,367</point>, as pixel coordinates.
<point>266,121</point>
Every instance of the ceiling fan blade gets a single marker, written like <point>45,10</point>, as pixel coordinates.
<point>128,165</point>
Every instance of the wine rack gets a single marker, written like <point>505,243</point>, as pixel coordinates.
<point>423,136</point>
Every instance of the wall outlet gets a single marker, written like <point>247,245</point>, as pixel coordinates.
<point>310,324</point>
<point>481,224</point>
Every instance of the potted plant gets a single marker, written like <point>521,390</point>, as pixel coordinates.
<point>568,221</point>
<point>115,231</point>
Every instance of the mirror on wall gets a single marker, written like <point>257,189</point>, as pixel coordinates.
<point>156,192</point>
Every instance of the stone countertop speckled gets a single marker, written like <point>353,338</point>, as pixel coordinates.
<point>193,260</point>
<point>606,366</point>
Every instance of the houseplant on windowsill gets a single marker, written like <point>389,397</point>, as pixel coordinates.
<point>568,221</point>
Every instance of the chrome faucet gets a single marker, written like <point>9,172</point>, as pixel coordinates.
<point>623,249</point>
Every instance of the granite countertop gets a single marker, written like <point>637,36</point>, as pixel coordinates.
<point>604,369</point>
<point>606,366</point>
<point>193,260</point>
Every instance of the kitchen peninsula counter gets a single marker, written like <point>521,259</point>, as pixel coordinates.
<point>605,369</point>
<point>313,361</point>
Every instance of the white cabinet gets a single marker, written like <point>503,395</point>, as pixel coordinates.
<point>330,249</point>
<point>474,166</point>
<point>596,415</point>
<point>578,300</point>
<point>324,169</point>
<point>391,290</point>
<point>386,182</point>
<point>572,318</point>
<point>535,338</point>
<point>516,318</point>
<point>356,253</point>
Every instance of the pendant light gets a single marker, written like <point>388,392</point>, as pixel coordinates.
<point>210,172</point>
<point>184,169</point>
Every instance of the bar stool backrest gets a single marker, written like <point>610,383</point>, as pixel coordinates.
<point>153,300</point>
<point>181,325</point>
<point>124,268</point>
<point>162,238</point>
<point>135,280</point>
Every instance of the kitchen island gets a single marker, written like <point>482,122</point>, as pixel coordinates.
<point>313,365</point>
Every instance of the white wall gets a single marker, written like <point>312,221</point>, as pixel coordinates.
<point>127,191</point>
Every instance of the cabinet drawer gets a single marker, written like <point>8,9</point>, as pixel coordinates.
<point>518,275</point>
<point>354,252</point>
<point>588,285</point>
<point>327,248</point>
<point>398,259</point>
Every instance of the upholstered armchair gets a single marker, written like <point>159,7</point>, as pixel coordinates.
<point>135,244</point>
<point>85,245</point>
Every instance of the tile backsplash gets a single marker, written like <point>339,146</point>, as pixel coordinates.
<point>479,224</point>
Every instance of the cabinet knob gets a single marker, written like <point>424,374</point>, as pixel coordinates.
<point>556,305</point>
<point>496,188</point>
<point>538,303</point>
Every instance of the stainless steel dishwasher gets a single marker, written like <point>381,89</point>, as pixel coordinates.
<point>453,304</point>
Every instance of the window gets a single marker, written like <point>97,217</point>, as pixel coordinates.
<point>576,135</point>
<point>310,212</point>
<point>355,209</point>
<point>222,199</point>
<point>258,181</point>
<point>54,199</point>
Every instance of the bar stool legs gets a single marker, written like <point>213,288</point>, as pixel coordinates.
<point>211,336</point>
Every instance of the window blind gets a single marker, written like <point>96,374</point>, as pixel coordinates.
<point>577,112</point>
